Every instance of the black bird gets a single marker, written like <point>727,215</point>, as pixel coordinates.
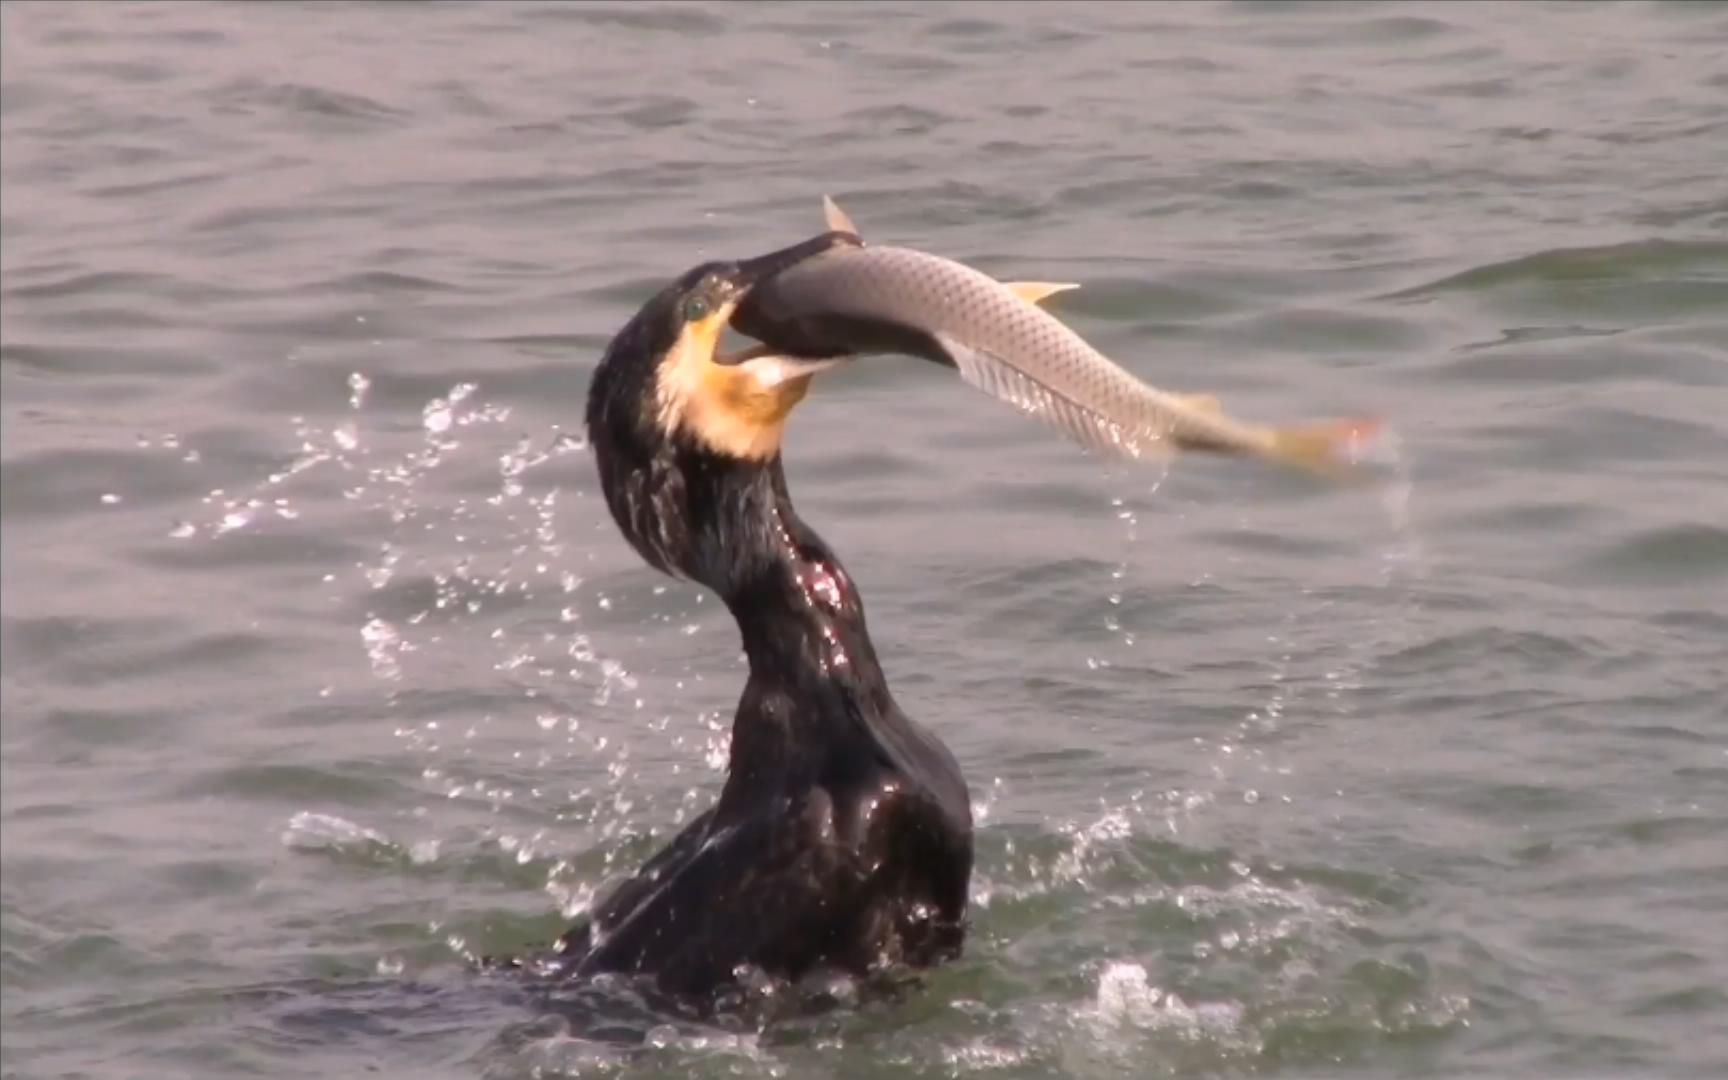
<point>842,839</point>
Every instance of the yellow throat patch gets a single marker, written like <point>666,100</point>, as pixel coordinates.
<point>736,410</point>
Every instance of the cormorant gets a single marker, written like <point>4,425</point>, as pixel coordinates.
<point>842,838</point>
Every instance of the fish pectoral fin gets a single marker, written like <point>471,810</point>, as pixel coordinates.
<point>1086,426</point>
<point>1034,292</point>
<point>837,219</point>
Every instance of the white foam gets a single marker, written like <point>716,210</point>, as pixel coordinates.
<point>308,831</point>
<point>1126,997</point>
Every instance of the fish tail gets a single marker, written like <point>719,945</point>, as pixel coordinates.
<point>1331,447</point>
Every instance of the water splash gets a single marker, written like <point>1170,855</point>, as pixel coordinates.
<point>1126,997</point>
<point>308,831</point>
<point>1317,651</point>
<point>455,578</point>
<point>232,513</point>
<point>383,645</point>
<point>1226,913</point>
<point>1126,509</point>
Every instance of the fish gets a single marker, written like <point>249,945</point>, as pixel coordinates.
<point>856,299</point>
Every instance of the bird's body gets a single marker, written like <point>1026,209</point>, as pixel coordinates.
<point>843,835</point>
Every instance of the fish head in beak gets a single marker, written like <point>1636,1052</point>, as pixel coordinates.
<point>793,346</point>
<point>834,321</point>
<point>735,404</point>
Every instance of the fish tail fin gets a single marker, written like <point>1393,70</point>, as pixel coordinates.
<point>1331,447</point>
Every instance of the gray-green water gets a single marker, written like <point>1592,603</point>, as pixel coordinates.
<point>323,668</point>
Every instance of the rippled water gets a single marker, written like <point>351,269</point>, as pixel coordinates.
<point>324,670</point>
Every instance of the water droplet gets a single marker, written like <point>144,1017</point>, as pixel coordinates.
<point>234,519</point>
<point>382,641</point>
<point>436,416</point>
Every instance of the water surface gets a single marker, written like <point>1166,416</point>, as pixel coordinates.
<point>324,670</point>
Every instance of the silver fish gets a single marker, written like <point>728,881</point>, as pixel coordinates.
<point>858,299</point>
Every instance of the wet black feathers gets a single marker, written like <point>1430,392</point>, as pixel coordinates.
<point>843,834</point>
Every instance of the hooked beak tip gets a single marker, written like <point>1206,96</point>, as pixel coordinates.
<point>753,271</point>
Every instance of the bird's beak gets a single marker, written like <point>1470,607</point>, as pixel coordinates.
<point>752,272</point>
<point>775,364</point>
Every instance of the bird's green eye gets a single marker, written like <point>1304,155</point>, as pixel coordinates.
<point>697,308</point>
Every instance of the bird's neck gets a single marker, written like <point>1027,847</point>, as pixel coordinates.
<point>796,607</point>
<point>816,691</point>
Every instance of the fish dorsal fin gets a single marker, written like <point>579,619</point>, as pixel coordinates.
<point>1206,403</point>
<point>837,219</point>
<point>1034,292</point>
